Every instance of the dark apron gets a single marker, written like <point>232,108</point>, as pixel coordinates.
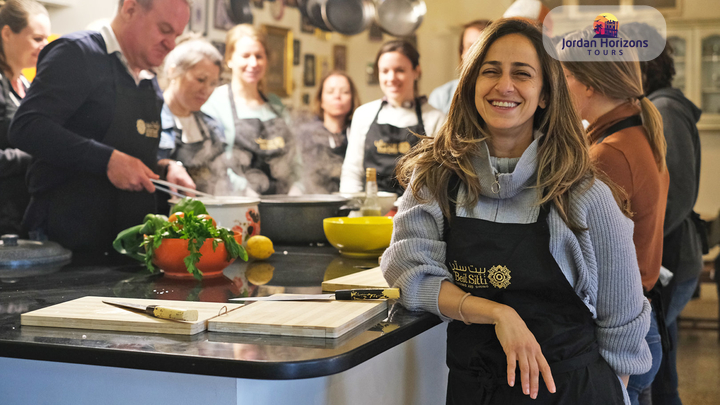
<point>198,156</point>
<point>86,213</point>
<point>511,264</point>
<point>385,144</point>
<point>270,145</point>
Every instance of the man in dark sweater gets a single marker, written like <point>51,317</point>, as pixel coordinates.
<point>91,121</point>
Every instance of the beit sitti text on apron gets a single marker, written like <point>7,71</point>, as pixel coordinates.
<point>469,276</point>
<point>385,148</point>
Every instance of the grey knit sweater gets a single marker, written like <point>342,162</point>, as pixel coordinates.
<point>599,263</point>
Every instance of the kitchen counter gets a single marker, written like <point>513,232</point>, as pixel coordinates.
<point>291,269</point>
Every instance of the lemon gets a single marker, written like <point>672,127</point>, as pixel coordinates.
<point>259,273</point>
<point>260,247</point>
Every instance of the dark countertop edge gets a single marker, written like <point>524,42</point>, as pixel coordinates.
<point>213,366</point>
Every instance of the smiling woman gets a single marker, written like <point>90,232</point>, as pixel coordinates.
<point>24,29</point>
<point>384,130</point>
<point>504,207</point>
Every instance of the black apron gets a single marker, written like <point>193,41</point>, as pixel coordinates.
<point>198,156</point>
<point>385,144</point>
<point>86,213</point>
<point>270,145</point>
<point>511,264</point>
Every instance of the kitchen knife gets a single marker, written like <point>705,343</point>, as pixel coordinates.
<point>159,311</point>
<point>341,295</point>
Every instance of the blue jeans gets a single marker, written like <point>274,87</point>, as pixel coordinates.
<point>640,382</point>
<point>665,386</point>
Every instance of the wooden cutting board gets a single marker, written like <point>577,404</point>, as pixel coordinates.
<point>323,319</point>
<point>91,313</point>
<point>372,278</point>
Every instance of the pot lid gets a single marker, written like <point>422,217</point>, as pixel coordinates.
<point>15,252</point>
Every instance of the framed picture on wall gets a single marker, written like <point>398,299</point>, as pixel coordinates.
<point>340,57</point>
<point>371,76</point>
<point>296,52</point>
<point>375,33</point>
<point>221,20</point>
<point>305,25</point>
<point>258,4</point>
<point>323,67</point>
<point>198,17</point>
<point>309,71</point>
<point>278,78</point>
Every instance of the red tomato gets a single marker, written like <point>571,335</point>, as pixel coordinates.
<point>205,216</point>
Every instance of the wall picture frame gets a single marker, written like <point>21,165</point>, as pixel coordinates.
<point>199,17</point>
<point>278,78</point>
<point>305,25</point>
<point>371,75</point>
<point>339,53</point>
<point>296,52</point>
<point>309,70</point>
<point>221,20</point>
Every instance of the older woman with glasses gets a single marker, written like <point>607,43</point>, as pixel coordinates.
<point>190,136</point>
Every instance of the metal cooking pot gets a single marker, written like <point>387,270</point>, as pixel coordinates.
<point>348,17</point>
<point>400,18</point>
<point>298,219</point>
<point>314,14</point>
<point>239,11</point>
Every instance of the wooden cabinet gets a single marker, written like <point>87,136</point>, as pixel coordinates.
<point>697,66</point>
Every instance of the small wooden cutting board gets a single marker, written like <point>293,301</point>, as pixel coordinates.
<point>372,278</point>
<point>323,319</point>
<point>91,313</point>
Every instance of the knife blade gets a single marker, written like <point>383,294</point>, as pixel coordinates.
<point>159,311</point>
<point>340,295</point>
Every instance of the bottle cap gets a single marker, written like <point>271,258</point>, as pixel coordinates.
<point>370,174</point>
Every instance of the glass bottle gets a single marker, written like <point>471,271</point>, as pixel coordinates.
<point>370,207</point>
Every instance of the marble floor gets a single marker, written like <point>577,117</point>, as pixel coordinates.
<point>699,350</point>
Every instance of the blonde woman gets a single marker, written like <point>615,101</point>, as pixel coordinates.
<point>627,143</point>
<point>254,123</point>
<point>506,232</point>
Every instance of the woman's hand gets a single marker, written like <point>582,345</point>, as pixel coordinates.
<point>521,347</point>
<point>517,341</point>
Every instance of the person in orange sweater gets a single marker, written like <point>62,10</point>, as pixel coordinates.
<point>627,143</point>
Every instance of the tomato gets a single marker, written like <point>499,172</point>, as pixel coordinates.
<point>174,217</point>
<point>205,216</point>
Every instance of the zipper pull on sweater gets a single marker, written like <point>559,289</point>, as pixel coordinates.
<point>495,187</point>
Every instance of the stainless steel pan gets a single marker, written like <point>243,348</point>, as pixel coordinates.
<point>314,13</point>
<point>348,17</point>
<point>239,11</point>
<point>400,18</point>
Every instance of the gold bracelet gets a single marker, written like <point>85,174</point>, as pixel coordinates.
<point>462,317</point>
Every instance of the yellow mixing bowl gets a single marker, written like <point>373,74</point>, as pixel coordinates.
<point>359,236</point>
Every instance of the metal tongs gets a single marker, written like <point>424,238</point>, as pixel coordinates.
<point>163,185</point>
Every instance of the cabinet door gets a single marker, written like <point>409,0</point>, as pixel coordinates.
<point>710,73</point>
<point>680,46</point>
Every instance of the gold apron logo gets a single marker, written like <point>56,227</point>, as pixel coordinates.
<point>470,276</point>
<point>392,148</point>
<point>271,144</point>
<point>149,129</point>
<point>141,127</point>
<point>499,276</point>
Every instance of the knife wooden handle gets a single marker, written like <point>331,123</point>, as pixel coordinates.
<point>371,294</point>
<point>173,313</point>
